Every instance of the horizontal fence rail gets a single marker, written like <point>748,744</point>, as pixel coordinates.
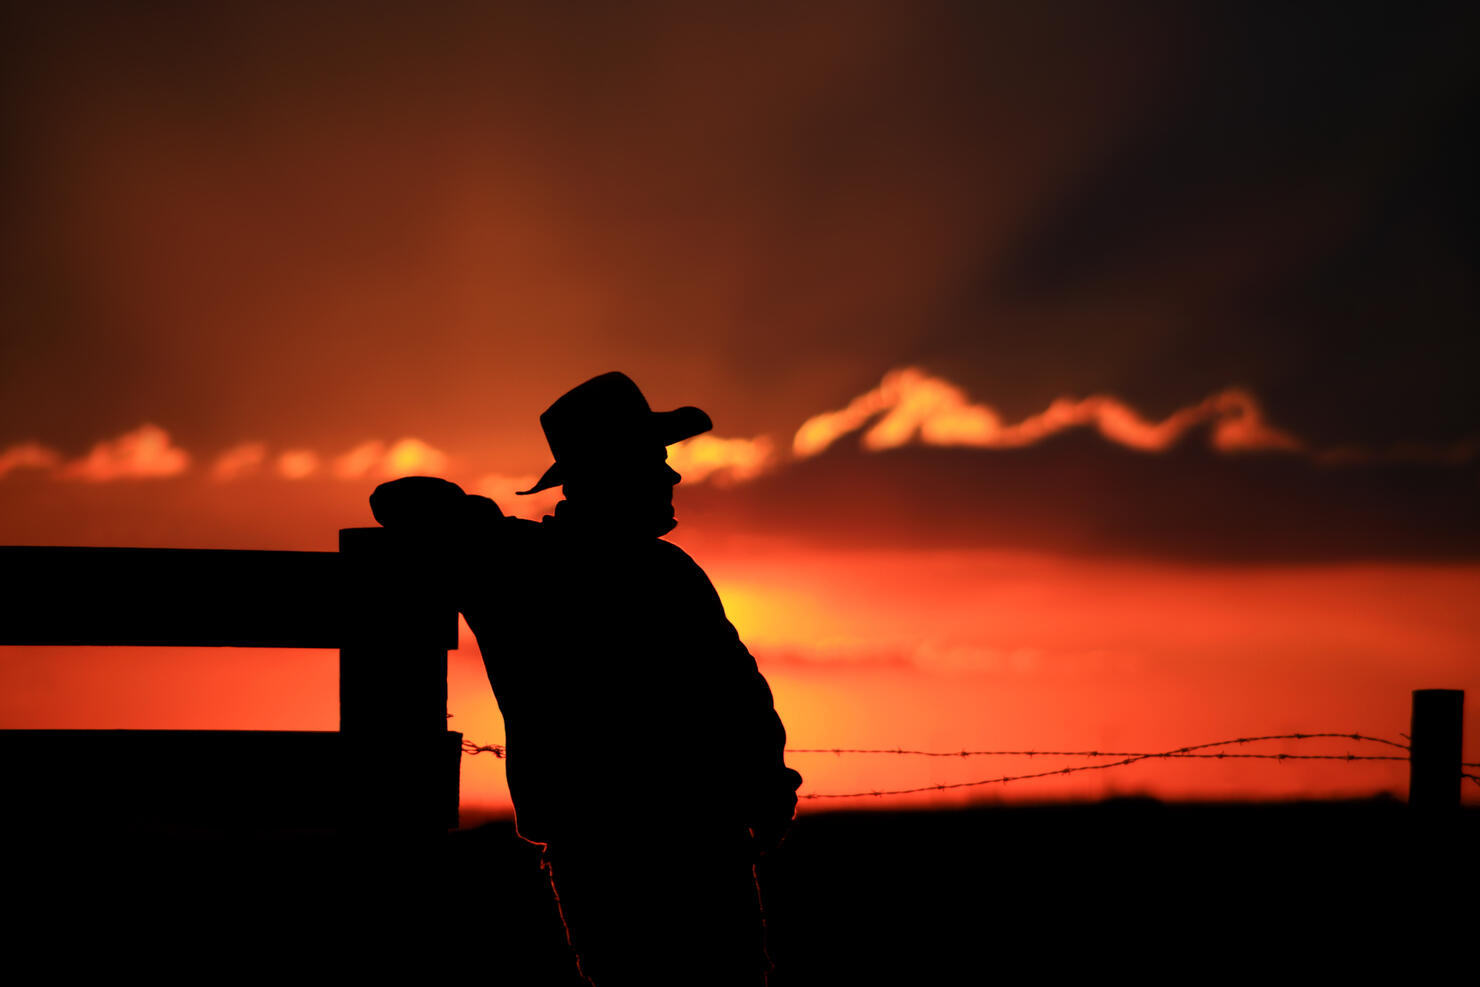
<point>172,597</point>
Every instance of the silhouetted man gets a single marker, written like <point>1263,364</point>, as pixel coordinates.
<point>643,746</point>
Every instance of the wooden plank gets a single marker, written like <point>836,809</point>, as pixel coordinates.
<point>164,777</point>
<point>189,597</point>
<point>210,779</point>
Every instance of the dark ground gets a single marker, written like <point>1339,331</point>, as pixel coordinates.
<point>1126,888</point>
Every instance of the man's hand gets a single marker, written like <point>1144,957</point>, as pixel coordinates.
<point>774,814</point>
<point>417,502</point>
<point>769,835</point>
<point>477,509</point>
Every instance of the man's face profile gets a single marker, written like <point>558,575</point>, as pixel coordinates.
<point>632,490</point>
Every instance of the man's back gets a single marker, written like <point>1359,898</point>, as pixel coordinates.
<point>627,695</point>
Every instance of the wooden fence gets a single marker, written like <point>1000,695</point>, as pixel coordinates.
<point>392,765</point>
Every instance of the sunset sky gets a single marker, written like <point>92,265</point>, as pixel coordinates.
<point>1086,377</point>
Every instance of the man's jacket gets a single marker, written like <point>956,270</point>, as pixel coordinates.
<point>629,702</point>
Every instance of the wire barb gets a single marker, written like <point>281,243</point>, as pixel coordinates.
<point>497,750</point>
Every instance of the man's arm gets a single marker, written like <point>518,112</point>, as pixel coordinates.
<point>455,528</point>
<point>757,735</point>
<point>429,505</point>
<point>772,800</point>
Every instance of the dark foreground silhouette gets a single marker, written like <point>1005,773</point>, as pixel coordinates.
<point>1354,892</point>
<point>625,693</point>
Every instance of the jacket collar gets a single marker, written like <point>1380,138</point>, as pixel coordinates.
<point>570,519</point>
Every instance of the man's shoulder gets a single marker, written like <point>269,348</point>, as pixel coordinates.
<point>521,534</point>
<point>672,553</point>
<point>676,560</point>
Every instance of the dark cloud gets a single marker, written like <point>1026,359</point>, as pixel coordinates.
<point>1284,100</point>
<point>1076,493</point>
<point>1293,213</point>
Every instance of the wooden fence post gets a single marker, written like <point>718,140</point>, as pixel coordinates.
<point>401,761</point>
<point>1436,740</point>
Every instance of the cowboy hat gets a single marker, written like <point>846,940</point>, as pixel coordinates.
<point>606,415</point>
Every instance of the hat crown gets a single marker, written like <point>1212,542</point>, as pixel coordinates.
<point>603,412</point>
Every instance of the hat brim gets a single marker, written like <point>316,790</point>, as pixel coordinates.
<point>664,428</point>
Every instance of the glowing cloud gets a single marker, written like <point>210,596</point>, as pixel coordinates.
<point>295,464</point>
<point>360,460</point>
<point>721,460</point>
<point>143,453</point>
<point>399,459</point>
<point>27,455</point>
<point>909,405</point>
<point>413,456</point>
<point>239,460</point>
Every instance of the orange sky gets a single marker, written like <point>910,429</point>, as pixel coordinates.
<point>1090,379</point>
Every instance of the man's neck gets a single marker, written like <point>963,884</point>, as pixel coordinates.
<point>606,525</point>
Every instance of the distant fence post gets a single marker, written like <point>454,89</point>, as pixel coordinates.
<point>399,755</point>
<point>1436,749</point>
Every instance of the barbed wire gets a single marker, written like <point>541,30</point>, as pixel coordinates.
<point>1096,753</point>
<point>1126,758</point>
<point>468,747</point>
<point>1131,758</point>
<point>497,750</point>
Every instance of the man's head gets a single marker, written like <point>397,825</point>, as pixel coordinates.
<point>610,452</point>
<point>631,494</point>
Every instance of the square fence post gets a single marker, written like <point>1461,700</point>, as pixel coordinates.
<point>400,760</point>
<point>1436,750</point>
